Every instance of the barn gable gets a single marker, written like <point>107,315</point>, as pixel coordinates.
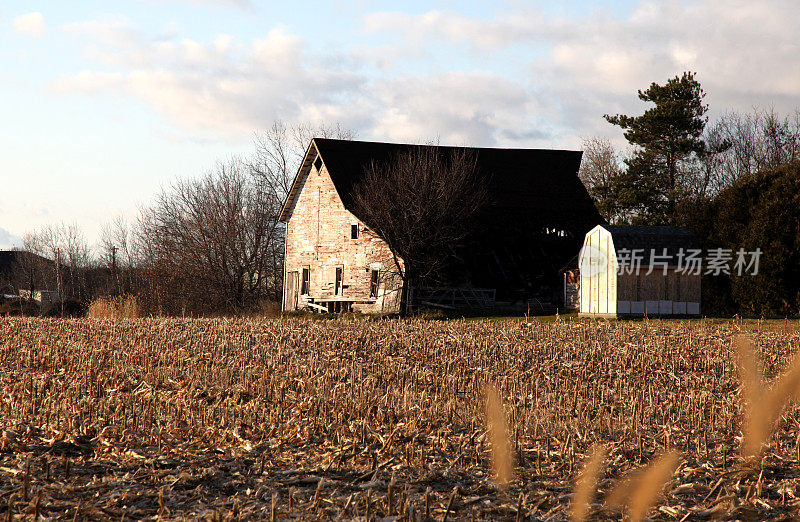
<point>299,179</point>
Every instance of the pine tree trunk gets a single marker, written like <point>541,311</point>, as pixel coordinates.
<point>672,204</point>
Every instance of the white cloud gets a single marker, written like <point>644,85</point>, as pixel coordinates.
<point>580,68</point>
<point>235,3</point>
<point>521,78</point>
<point>241,4</point>
<point>232,89</point>
<point>9,240</point>
<point>462,108</point>
<point>222,87</point>
<point>88,82</point>
<point>109,31</point>
<point>454,28</point>
<point>31,24</point>
<point>278,50</point>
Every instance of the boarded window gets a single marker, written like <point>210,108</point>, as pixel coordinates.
<point>304,282</point>
<point>373,284</point>
<point>353,231</point>
<point>338,286</point>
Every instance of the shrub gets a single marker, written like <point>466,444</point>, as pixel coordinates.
<point>121,307</point>
<point>71,308</point>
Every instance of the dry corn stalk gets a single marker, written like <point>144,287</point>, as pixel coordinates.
<point>502,459</point>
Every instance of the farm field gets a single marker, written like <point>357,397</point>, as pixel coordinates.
<point>227,419</point>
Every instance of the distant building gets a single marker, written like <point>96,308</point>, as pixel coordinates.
<point>20,269</point>
<point>639,270</point>
<point>40,297</point>
<point>539,214</point>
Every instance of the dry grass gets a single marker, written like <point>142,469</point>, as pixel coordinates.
<point>298,419</point>
<point>762,405</point>
<point>584,491</point>
<point>121,307</point>
<point>640,490</point>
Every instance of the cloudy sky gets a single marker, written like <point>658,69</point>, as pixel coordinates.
<point>103,102</point>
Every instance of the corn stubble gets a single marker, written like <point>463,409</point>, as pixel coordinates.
<point>293,419</point>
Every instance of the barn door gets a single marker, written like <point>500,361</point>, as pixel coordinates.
<point>339,277</point>
<point>291,291</point>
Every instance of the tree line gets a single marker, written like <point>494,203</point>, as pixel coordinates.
<point>735,183</point>
<point>212,243</point>
<point>206,244</point>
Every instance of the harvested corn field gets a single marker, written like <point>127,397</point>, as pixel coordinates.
<point>293,419</point>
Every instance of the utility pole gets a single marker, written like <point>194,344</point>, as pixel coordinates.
<point>58,280</point>
<point>114,269</point>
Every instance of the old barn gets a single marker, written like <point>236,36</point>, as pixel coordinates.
<point>639,270</point>
<point>536,221</point>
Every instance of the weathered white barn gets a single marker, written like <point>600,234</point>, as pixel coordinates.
<point>536,220</point>
<point>639,270</point>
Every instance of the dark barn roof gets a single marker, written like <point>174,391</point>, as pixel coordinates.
<point>17,267</point>
<point>541,181</point>
<point>652,238</point>
<point>12,260</point>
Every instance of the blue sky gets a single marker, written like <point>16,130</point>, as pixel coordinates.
<point>104,102</point>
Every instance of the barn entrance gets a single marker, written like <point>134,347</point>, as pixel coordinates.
<point>291,291</point>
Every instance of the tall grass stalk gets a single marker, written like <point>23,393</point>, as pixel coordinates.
<point>586,484</point>
<point>502,457</point>
<point>641,489</point>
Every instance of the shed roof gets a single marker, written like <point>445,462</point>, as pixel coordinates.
<point>519,180</point>
<point>652,239</point>
<point>17,267</point>
<point>11,260</point>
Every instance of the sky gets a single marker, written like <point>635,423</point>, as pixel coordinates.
<point>104,103</point>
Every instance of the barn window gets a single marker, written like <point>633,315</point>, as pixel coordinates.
<point>318,164</point>
<point>373,284</point>
<point>304,282</point>
<point>353,231</point>
<point>338,286</point>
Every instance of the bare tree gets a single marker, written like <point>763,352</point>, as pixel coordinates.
<point>280,149</point>
<point>208,243</point>
<point>67,245</point>
<point>736,145</point>
<point>422,204</point>
<point>118,251</point>
<point>750,143</point>
<point>600,162</point>
<point>600,167</point>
